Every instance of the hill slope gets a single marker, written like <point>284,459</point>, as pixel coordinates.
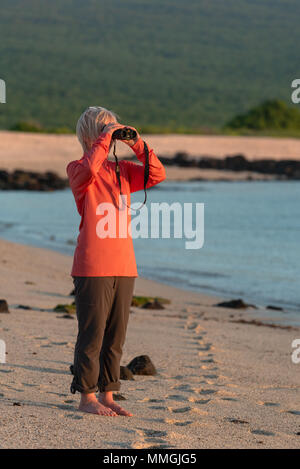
<point>161,62</point>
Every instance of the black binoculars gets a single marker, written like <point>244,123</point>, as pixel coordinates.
<point>126,133</point>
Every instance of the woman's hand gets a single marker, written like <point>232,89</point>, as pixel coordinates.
<point>110,128</point>
<point>134,140</point>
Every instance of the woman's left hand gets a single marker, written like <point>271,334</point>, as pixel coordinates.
<point>134,140</point>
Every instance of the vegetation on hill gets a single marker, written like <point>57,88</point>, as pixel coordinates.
<point>162,65</point>
<point>270,115</point>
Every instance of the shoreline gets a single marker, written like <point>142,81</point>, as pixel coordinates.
<point>50,152</point>
<point>221,382</point>
<point>285,315</point>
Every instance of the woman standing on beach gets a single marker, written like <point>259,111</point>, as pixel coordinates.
<point>104,267</point>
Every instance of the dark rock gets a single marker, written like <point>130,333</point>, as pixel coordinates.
<point>65,316</point>
<point>31,180</point>
<point>23,307</point>
<point>183,159</point>
<point>17,403</point>
<point>142,365</point>
<point>236,163</point>
<point>4,306</point>
<point>275,308</point>
<point>126,373</point>
<point>236,304</point>
<point>207,162</point>
<point>153,305</point>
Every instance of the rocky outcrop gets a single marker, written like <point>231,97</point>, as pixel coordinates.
<point>235,304</point>
<point>32,181</point>
<point>4,306</point>
<point>284,169</point>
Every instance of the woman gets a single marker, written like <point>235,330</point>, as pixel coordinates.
<point>104,267</point>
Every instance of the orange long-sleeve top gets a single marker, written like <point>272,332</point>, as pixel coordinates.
<point>94,184</point>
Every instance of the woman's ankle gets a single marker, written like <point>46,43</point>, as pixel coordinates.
<point>88,397</point>
<point>106,396</point>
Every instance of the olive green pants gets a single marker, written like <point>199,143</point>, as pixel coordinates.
<point>102,308</point>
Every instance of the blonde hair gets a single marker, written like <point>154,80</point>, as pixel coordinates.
<point>90,124</point>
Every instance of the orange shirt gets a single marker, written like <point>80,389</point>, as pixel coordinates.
<point>93,181</point>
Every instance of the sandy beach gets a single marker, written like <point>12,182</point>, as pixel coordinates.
<point>42,152</point>
<point>220,383</point>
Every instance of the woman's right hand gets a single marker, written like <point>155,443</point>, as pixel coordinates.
<point>110,128</point>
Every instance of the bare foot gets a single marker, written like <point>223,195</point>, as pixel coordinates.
<point>93,406</point>
<point>114,407</point>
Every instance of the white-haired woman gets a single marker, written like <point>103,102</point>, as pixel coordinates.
<point>104,267</point>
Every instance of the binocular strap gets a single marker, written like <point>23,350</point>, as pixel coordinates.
<point>146,172</point>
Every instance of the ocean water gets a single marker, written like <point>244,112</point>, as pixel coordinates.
<point>251,229</point>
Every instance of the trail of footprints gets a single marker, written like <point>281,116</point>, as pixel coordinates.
<point>186,401</point>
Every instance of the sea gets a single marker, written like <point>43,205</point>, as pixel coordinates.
<point>250,245</point>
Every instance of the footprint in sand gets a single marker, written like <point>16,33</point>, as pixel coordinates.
<point>206,347</point>
<point>191,325</point>
<point>149,445</point>
<point>202,354</point>
<point>208,368</point>
<point>229,399</point>
<point>59,343</point>
<point>74,417</point>
<point>262,432</point>
<point>236,421</point>
<point>199,337</point>
<point>177,397</point>
<point>183,387</point>
<point>207,391</point>
<point>152,433</point>
<point>179,410</point>
<point>269,404</point>
<point>157,407</point>
<point>199,401</point>
<point>179,423</point>
<point>151,439</point>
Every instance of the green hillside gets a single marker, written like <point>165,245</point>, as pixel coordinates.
<point>160,64</point>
